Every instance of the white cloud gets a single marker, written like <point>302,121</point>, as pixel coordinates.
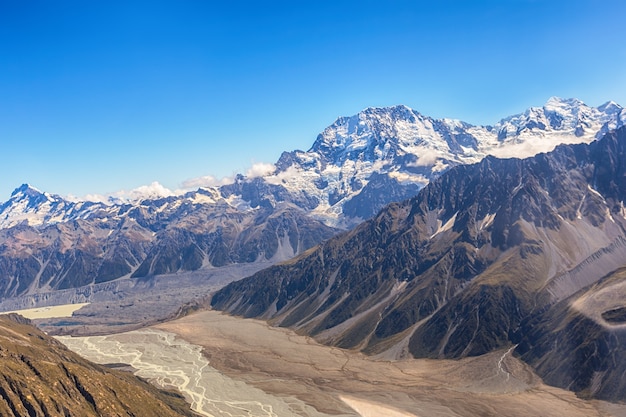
<point>260,169</point>
<point>96,198</point>
<point>153,190</point>
<point>440,166</point>
<point>531,145</point>
<point>286,175</point>
<point>407,177</point>
<point>156,190</point>
<point>427,157</point>
<point>522,150</point>
<point>74,199</point>
<point>379,165</point>
<point>205,181</point>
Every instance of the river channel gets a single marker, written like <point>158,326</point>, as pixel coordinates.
<point>171,362</point>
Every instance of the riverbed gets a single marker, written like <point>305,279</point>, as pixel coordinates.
<point>171,362</point>
<point>228,366</point>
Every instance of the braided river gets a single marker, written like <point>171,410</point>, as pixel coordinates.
<point>171,362</point>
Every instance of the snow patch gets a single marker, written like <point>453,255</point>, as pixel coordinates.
<point>486,221</point>
<point>447,226</point>
<point>595,192</point>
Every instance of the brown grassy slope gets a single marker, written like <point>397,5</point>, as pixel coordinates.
<point>39,376</point>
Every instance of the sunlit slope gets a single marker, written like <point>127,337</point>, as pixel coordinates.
<point>41,377</point>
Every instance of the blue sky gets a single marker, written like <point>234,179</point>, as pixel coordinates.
<point>98,96</point>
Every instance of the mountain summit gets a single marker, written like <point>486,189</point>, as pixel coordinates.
<point>30,206</point>
<point>380,155</point>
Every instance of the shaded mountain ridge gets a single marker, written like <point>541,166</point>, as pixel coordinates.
<point>461,268</point>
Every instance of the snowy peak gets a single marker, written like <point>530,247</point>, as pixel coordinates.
<point>564,104</point>
<point>359,163</point>
<point>399,146</point>
<point>27,192</point>
<point>396,137</point>
<point>372,126</point>
<point>558,115</point>
<point>610,108</point>
<point>28,204</point>
<point>24,188</point>
<point>32,207</point>
<point>380,133</point>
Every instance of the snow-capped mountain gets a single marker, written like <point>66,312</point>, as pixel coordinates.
<point>30,206</point>
<point>33,207</point>
<point>59,244</point>
<point>360,163</point>
<point>354,168</point>
<point>397,150</point>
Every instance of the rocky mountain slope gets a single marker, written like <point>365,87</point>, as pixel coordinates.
<point>354,168</point>
<point>468,265</point>
<point>62,250</point>
<point>579,342</point>
<point>41,377</point>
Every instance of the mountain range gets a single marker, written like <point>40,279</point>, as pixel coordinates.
<point>524,253</point>
<point>396,234</point>
<point>75,244</point>
<point>354,168</point>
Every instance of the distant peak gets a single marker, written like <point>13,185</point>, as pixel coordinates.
<point>563,102</point>
<point>610,107</point>
<point>26,189</point>
<point>387,108</point>
<point>397,109</point>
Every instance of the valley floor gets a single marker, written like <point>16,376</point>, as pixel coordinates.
<point>340,382</point>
